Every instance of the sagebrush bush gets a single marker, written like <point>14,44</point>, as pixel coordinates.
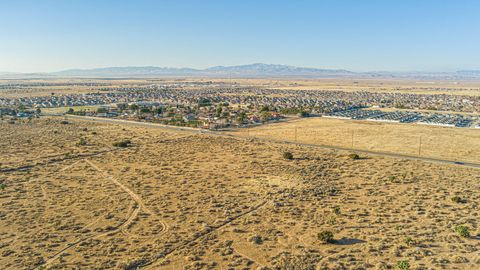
<point>403,265</point>
<point>409,241</point>
<point>463,231</point>
<point>325,236</point>
<point>457,199</point>
<point>82,142</point>
<point>354,156</point>
<point>287,155</point>
<point>124,143</point>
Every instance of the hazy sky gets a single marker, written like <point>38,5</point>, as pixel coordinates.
<point>360,35</point>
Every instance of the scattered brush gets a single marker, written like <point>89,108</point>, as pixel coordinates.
<point>123,144</point>
<point>287,155</point>
<point>458,199</point>
<point>326,237</point>
<point>82,142</point>
<point>403,265</point>
<point>354,156</point>
<point>409,241</point>
<point>462,230</point>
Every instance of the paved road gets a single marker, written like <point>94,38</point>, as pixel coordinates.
<point>217,133</point>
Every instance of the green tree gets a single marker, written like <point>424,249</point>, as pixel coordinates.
<point>102,110</point>
<point>265,109</point>
<point>264,116</point>
<point>133,107</point>
<point>145,110</point>
<point>241,117</point>
<point>218,112</point>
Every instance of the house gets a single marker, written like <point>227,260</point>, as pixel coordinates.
<point>189,117</point>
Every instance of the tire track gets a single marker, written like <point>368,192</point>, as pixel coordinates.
<point>137,207</point>
<point>149,264</point>
<point>56,160</point>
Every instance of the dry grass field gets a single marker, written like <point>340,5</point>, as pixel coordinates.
<point>179,200</point>
<point>460,144</point>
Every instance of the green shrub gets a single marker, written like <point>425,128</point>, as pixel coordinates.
<point>332,219</point>
<point>404,265</point>
<point>287,155</point>
<point>336,210</point>
<point>462,231</point>
<point>2,186</point>
<point>124,143</point>
<point>325,236</point>
<point>82,142</point>
<point>409,241</point>
<point>457,199</point>
<point>354,156</point>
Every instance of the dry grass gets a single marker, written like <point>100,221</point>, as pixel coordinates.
<point>191,201</point>
<point>437,142</point>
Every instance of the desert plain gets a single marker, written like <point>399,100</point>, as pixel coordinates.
<point>176,199</point>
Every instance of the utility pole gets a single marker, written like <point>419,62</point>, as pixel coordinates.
<point>353,131</point>
<point>420,146</point>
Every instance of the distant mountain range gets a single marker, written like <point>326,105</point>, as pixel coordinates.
<point>253,70</point>
<point>257,70</point>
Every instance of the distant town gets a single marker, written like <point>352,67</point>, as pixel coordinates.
<point>214,105</point>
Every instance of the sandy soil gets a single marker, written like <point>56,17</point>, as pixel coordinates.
<point>190,201</point>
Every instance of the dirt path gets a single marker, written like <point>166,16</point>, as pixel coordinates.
<point>248,258</point>
<point>149,264</point>
<point>137,207</point>
<point>55,160</point>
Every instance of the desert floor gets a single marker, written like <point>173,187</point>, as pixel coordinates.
<point>176,200</point>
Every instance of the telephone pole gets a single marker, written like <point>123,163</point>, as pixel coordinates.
<point>353,132</point>
<point>420,146</point>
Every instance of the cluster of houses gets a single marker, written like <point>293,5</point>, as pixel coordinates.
<point>316,102</point>
<point>207,115</point>
<point>19,113</point>
<point>216,105</point>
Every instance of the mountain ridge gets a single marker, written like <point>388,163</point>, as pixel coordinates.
<point>255,70</point>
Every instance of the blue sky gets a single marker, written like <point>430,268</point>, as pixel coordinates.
<point>366,35</point>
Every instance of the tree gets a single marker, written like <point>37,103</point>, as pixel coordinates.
<point>241,117</point>
<point>133,107</point>
<point>101,110</point>
<point>303,113</point>
<point>70,111</point>
<point>145,110</point>
<point>265,116</point>
<point>265,109</point>
<point>218,112</point>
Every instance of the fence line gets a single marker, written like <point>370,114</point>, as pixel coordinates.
<point>420,145</point>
